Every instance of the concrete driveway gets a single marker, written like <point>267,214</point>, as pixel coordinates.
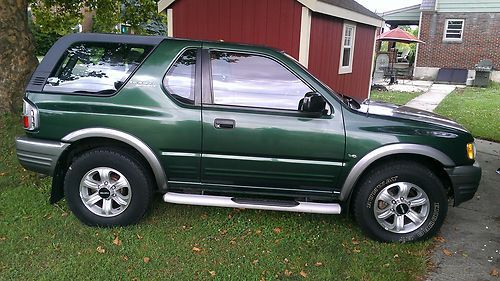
<point>471,232</point>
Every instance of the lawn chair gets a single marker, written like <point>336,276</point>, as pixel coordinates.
<point>403,56</point>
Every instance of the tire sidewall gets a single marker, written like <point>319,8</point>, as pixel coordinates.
<point>128,167</point>
<point>417,175</point>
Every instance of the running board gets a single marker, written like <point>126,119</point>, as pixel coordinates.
<point>273,205</point>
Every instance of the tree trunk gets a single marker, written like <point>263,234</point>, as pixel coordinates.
<point>17,56</point>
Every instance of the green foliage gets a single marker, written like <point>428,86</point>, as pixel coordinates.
<point>395,97</point>
<point>477,109</point>
<point>56,18</point>
<point>106,16</point>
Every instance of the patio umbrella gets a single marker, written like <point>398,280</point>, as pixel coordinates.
<point>398,35</point>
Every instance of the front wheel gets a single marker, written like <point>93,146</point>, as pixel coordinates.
<point>401,201</point>
<point>107,187</point>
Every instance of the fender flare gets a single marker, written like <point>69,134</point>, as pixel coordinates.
<point>140,146</point>
<point>392,149</point>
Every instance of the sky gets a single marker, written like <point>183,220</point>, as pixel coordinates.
<point>387,5</point>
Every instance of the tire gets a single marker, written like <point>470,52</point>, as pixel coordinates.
<point>116,186</point>
<point>414,217</point>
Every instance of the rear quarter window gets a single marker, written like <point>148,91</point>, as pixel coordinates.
<point>95,68</point>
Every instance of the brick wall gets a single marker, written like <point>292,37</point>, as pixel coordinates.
<point>481,40</point>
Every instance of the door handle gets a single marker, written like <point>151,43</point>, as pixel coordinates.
<point>224,123</point>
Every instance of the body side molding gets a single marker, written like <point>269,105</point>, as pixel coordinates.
<point>140,146</point>
<point>392,149</point>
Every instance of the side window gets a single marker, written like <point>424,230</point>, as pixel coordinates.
<point>95,68</point>
<point>179,80</point>
<point>254,81</point>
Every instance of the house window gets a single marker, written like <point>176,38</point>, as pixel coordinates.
<point>347,49</point>
<point>453,30</point>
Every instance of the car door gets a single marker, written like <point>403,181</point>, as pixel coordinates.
<point>254,138</point>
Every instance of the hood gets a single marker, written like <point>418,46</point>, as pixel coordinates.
<point>405,112</point>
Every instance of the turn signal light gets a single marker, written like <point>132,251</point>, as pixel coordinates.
<point>471,151</point>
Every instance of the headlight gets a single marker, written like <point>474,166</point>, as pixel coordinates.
<point>471,151</point>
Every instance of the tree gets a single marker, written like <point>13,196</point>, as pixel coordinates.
<point>17,56</point>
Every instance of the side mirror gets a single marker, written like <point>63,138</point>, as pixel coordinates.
<point>313,103</point>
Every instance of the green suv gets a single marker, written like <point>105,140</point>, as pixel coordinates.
<point>115,119</point>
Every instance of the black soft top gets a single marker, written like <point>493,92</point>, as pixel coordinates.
<point>52,57</point>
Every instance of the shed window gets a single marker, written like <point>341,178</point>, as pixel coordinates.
<point>347,49</point>
<point>454,30</point>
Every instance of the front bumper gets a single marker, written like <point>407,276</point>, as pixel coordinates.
<point>37,155</point>
<point>465,181</point>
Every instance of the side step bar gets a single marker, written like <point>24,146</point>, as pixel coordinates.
<point>221,201</point>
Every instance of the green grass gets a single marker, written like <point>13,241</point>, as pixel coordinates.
<point>477,109</point>
<point>395,97</point>
<point>46,242</point>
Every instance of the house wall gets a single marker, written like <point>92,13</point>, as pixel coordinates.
<point>481,40</point>
<point>324,55</point>
<point>470,6</point>
<point>274,23</point>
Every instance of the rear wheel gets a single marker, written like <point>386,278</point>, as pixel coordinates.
<point>106,187</point>
<point>402,201</point>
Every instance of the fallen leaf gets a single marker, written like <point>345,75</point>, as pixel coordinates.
<point>356,250</point>
<point>396,256</point>
<point>255,261</point>
<point>233,241</point>
<point>447,252</point>
<point>288,273</point>
<point>303,273</point>
<point>138,236</point>
<point>2,174</point>
<point>318,263</point>
<point>286,260</point>
<point>277,230</point>
<point>386,265</point>
<point>125,258</point>
<point>439,239</point>
<point>196,249</point>
<point>65,214</point>
<point>212,273</point>
<point>2,238</point>
<point>258,232</point>
<point>223,232</point>
<point>117,241</point>
<point>354,241</point>
<point>101,250</point>
<point>146,259</point>
<point>494,272</point>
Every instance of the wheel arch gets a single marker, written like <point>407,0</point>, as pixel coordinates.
<point>381,154</point>
<point>85,139</point>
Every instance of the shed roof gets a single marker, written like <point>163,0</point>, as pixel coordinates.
<point>353,6</point>
<point>345,9</point>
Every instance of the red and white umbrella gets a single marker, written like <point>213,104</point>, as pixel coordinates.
<point>399,35</point>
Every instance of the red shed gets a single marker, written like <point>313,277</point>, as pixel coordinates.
<point>334,39</point>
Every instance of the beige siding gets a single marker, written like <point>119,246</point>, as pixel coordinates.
<point>473,6</point>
